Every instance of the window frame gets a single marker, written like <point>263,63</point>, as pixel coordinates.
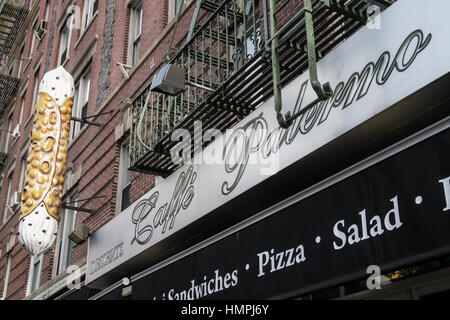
<point>81,100</point>
<point>23,170</point>
<point>67,43</point>
<point>35,91</point>
<point>6,279</point>
<point>89,12</point>
<point>31,274</point>
<point>124,177</point>
<point>21,59</point>
<point>22,108</point>
<point>173,8</point>
<point>64,244</point>
<point>33,37</point>
<point>135,33</point>
<point>9,181</point>
<point>8,134</point>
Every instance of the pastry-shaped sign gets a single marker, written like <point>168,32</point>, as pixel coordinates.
<point>46,163</point>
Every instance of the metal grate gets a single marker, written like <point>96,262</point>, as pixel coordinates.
<point>12,17</point>
<point>229,63</point>
<point>8,87</point>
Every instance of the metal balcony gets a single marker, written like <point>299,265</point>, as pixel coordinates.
<point>12,17</point>
<point>235,60</point>
<point>8,87</point>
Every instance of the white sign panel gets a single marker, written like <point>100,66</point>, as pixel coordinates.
<point>369,72</point>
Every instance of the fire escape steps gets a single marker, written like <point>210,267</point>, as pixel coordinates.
<point>8,87</point>
<point>212,7</point>
<point>241,83</point>
<point>11,20</point>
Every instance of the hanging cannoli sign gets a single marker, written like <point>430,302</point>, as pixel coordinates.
<point>46,163</point>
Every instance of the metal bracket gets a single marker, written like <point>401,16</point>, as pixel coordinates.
<point>86,121</point>
<point>124,68</point>
<point>70,206</point>
<point>10,132</point>
<point>323,92</point>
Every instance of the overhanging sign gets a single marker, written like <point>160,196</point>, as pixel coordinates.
<point>391,214</point>
<point>388,65</point>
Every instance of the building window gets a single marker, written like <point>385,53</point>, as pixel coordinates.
<point>90,8</point>
<point>35,92</point>
<point>65,245</point>
<point>8,270</point>
<point>135,33</point>
<point>33,38</point>
<point>8,197</point>
<point>34,278</point>
<point>22,50</point>
<point>174,7</point>
<point>64,47</point>
<point>8,134</point>
<point>22,108</point>
<point>47,9</point>
<point>124,178</point>
<point>81,101</point>
<point>23,170</point>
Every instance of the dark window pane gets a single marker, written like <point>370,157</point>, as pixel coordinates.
<point>125,197</point>
<point>84,113</point>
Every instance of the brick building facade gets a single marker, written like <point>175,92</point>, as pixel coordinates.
<point>94,45</point>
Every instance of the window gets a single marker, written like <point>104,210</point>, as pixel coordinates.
<point>135,33</point>
<point>124,179</point>
<point>22,107</point>
<point>64,47</point>
<point>8,134</point>
<point>33,37</point>
<point>8,197</point>
<point>34,277</point>
<point>174,7</point>
<point>23,170</point>
<point>22,50</point>
<point>67,224</point>
<point>8,269</point>
<point>90,8</point>
<point>81,101</point>
<point>35,92</point>
<point>47,9</point>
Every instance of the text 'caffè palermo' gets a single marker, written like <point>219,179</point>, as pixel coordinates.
<point>353,192</point>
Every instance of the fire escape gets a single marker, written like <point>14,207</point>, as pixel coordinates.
<point>12,17</point>
<point>237,55</point>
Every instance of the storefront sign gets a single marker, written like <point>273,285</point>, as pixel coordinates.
<point>371,71</point>
<point>391,214</point>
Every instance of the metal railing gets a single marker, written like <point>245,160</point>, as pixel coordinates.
<point>242,53</point>
<point>12,17</point>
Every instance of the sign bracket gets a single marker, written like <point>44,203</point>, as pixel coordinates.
<point>73,205</point>
<point>85,120</point>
